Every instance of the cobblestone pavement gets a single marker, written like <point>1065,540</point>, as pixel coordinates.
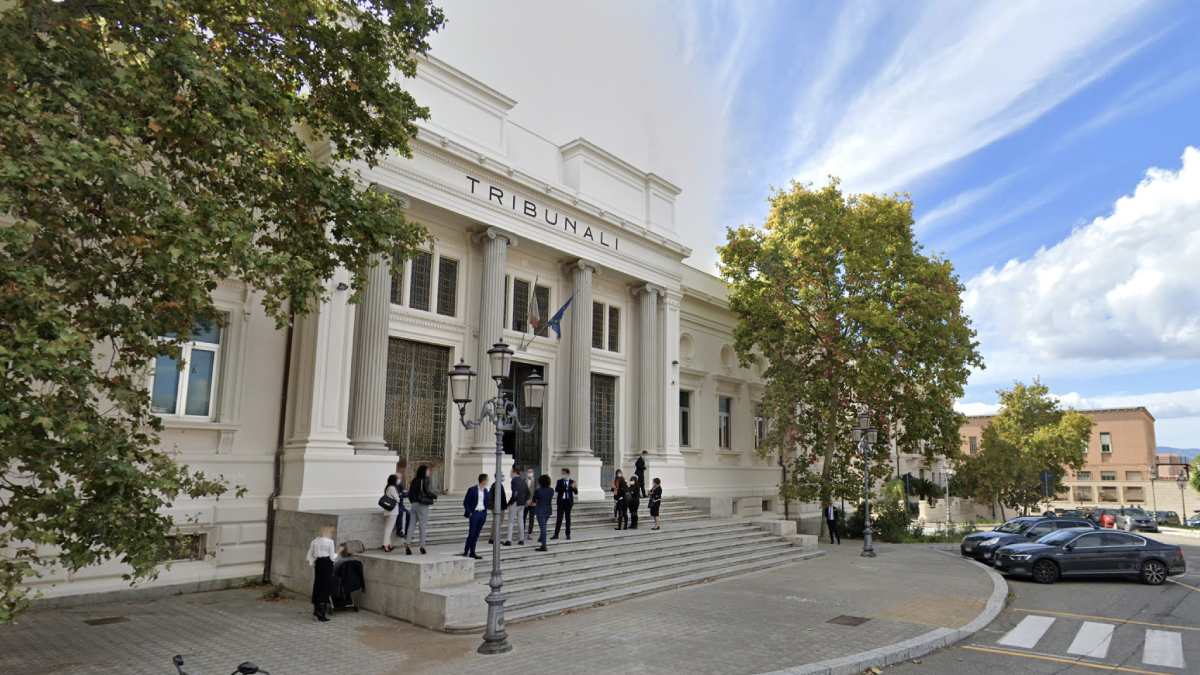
<point>749,624</point>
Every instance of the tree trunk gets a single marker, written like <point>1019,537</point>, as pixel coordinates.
<point>783,486</point>
<point>827,464</point>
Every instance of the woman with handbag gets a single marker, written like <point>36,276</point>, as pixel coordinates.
<point>421,496</point>
<point>390,503</point>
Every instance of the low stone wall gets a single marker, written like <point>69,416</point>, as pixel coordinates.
<point>435,591</point>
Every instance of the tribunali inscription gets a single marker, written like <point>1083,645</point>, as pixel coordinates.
<point>544,215</point>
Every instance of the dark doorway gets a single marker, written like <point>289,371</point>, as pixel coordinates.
<point>524,446</point>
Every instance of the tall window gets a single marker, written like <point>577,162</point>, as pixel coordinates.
<point>397,289</point>
<point>685,418</point>
<point>1105,442</point>
<point>760,426</point>
<point>606,326</point>
<point>447,297</point>
<point>188,391</point>
<point>520,305</point>
<point>724,422</point>
<point>973,442</point>
<point>420,280</point>
<point>1108,475</point>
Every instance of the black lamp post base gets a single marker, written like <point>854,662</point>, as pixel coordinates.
<point>867,553</point>
<point>498,644</point>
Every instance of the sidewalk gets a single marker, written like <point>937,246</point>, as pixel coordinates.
<point>765,622</point>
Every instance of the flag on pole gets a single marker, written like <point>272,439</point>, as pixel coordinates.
<point>535,312</point>
<point>555,322</point>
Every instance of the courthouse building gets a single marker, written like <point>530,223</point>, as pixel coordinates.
<point>645,360</point>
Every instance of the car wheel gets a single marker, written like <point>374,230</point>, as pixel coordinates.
<point>1154,572</point>
<point>1045,572</point>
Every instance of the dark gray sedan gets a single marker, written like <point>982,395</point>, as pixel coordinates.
<point>1090,553</point>
<point>983,545</point>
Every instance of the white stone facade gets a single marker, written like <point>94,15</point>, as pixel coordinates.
<point>502,205</point>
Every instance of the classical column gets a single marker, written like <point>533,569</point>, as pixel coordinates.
<point>669,373</point>
<point>579,422</point>
<point>320,467</point>
<point>491,325</point>
<point>369,380</point>
<point>648,369</point>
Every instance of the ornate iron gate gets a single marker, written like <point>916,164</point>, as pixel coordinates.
<point>414,417</point>
<point>604,425</point>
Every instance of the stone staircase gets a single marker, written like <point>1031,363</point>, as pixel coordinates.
<point>601,565</point>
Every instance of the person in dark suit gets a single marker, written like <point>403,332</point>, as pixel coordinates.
<point>543,498</point>
<point>831,521</point>
<point>475,508</point>
<point>516,507</point>
<point>639,472</point>
<point>632,497</point>
<point>531,483</point>
<point>565,491</point>
<point>656,503</point>
<point>618,490</point>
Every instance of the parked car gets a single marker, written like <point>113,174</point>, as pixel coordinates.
<point>1104,517</point>
<point>1070,513</point>
<point>1166,517</point>
<point>1133,519</point>
<point>982,546</point>
<point>1194,521</point>
<point>1086,552</point>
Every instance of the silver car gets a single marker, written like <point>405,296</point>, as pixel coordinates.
<point>1132,520</point>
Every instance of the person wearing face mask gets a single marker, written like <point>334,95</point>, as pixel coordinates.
<point>566,491</point>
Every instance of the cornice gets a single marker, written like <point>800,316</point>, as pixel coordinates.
<point>438,145</point>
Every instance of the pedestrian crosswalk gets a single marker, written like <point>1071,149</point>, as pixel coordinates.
<point>1093,639</point>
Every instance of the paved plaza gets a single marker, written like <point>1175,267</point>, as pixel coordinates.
<point>749,624</point>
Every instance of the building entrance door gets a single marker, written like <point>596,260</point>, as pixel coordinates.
<point>604,425</point>
<point>415,401</point>
<point>524,446</point>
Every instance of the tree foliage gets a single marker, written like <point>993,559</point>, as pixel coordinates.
<point>149,151</point>
<point>837,299</point>
<point>1030,437</point>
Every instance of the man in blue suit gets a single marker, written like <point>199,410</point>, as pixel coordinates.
<point>476,504</point>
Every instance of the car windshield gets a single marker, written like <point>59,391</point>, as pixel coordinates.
<point>1015,526</point>
<point>1059,537</point>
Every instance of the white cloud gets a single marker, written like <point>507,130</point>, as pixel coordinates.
<point>1122,289</point>
<point>964,76</point>
<point>1163,405</point>
<point>617,73</point>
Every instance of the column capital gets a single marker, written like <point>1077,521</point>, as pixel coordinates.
<point>671,297</point>
<point>580,264</point>
<point>495,233</point>
<point>646,289</point>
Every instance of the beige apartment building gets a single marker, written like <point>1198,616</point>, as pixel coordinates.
<point>1118,467</point>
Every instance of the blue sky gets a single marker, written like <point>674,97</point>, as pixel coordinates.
<point>1015,127</point>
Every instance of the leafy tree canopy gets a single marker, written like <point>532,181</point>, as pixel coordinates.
<point>148,151</point>
<point>836,297</point>
<point>1029,438</point>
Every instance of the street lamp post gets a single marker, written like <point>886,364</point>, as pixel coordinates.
<point>949,518</point>
<point>866,436</point>
<point>502,411</point>
<point>1182,479</point>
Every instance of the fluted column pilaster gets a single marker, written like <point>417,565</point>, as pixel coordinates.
<point>369,371</point>
<point>648,368</point>
<point>491,325</point>
<point>579,423</point>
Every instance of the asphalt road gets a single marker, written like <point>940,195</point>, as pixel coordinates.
<point>1086,626</point>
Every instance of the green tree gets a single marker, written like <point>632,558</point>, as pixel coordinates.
<point>839,301</point>
<point>1030,437</point>
<point>148,151</point>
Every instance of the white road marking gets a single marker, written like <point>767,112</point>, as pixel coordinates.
<point>1092,640</point>
<point>1027,633</point>
<point>1163,648</point>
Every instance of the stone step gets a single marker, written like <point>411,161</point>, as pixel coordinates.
<point>456,515</point>
<point>677,579</point>
<point>457,532</point>
<point>567,561</point>
<point>605,539</point>
<point>632,569</point>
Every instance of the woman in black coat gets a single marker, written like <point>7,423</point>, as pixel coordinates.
<point>656,503</point>
<point>620,489</point>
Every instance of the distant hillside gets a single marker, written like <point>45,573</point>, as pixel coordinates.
<point>1186,452</point>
